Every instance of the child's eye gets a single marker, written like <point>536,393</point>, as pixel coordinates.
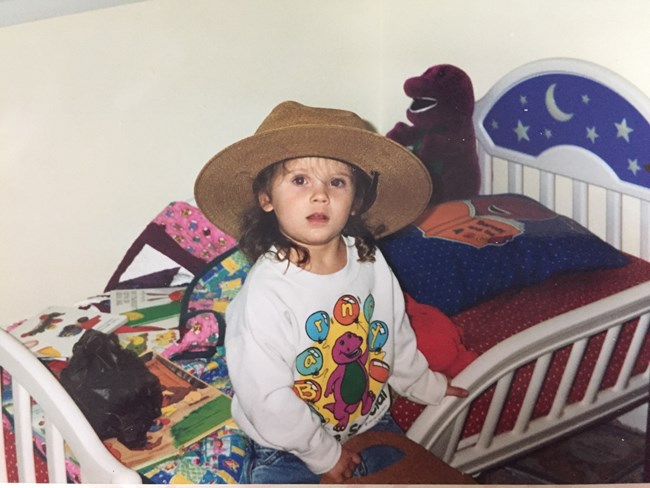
<point>338,182</point>
<point>299,180</point>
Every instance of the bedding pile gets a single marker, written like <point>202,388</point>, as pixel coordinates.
<point>182,248</point>
<point>173,252</point>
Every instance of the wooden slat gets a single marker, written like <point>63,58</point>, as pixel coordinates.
<point>547,189</point>
<point>456,433</point>
<point>494,411</point>
<point>601,364</point>
<point>515,178</point>
<point>532,392</point>
<point>644,252</point>
<point>55,454</point>
<point>569,374</point>
<point>633,352</point>
<point>580,202</point>
<point>23,432</point>
<point>613,219</point>
<point>3,461</point>
<point>485,161</point>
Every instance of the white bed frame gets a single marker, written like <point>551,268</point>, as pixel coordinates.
<point>439,428</point>
<point>64,421</point>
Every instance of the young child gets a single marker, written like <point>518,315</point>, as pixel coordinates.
<point>318,333</point>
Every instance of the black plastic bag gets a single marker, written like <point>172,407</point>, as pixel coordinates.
<point>113,388</point>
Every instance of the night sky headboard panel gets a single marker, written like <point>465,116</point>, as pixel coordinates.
<point>567,117</point>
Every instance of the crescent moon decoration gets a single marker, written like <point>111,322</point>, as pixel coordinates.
<point>553,109</point>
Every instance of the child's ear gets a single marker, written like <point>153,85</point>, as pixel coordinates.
<point>265,201</point>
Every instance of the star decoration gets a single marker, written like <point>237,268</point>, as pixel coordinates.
<point>586,99</point>
<point>633,166</point>
<point>622,130</point>
<point>591,134</point>
<point>522,131</point>
<point>523,99</point>
<point>495,124</point>
<point>548,133</point>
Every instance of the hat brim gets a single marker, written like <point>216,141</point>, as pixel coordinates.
<point>223,188</point>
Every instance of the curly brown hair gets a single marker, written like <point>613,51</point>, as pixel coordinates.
<point>260,230</point>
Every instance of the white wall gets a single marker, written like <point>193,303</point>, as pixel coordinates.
<point>18,11</point>
<point>107,115</point>
<point>489,38</point>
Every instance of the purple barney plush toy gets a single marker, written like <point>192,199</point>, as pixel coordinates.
<point>442,134</point>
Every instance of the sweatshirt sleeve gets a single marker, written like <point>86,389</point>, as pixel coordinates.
<point>260,363</point>
<point>411,376</point>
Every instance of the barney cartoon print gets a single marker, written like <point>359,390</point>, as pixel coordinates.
<point>343,372</point>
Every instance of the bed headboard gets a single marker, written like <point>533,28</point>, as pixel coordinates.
<point>573,119</point>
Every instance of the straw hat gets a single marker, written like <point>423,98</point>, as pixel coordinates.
<point>223,189</point>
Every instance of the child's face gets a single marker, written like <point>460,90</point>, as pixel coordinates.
<point>312,198</point>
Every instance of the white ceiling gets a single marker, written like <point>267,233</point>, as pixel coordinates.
<point>21,11</point>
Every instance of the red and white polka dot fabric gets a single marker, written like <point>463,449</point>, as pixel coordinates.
<point>489,323</point>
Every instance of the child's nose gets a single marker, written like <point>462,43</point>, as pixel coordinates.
<point>320,193</point>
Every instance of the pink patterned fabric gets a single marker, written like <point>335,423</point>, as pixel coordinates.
<point>202,333</point>
<point>193,232</point>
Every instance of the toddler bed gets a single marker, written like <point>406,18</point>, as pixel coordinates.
<point>555,126</point>
<point>558,316</point>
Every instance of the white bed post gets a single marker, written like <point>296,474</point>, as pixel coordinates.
<point>580,200</point>
<point>485,163</point>
<point>23,432</point>
<point>613,219</point>
<point>3,461</point>
<point>515,178</point>
<point>644,252</point>
<point>55,453</point>
<point>547,189</point>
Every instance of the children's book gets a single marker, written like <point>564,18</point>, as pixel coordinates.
<point>192,409</point>
<point>143,341</point>
<point>54,331</point>
<point>152,307</point>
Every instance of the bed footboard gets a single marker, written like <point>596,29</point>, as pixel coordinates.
<point>31,380</point>
<point>440,428</point>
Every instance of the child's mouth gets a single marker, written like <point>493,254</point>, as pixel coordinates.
<point>318,218</point>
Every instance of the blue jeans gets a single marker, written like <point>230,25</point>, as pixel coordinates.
<point>265,465</point>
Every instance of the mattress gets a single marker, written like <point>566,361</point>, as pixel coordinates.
<point>510,312</point>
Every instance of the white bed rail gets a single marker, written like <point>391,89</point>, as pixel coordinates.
<point>64,422</point>
<point>440,428</point>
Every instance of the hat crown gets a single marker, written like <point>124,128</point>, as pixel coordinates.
<point>291,114</point>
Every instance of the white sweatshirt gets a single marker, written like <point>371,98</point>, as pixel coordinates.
<point>311,356</point>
